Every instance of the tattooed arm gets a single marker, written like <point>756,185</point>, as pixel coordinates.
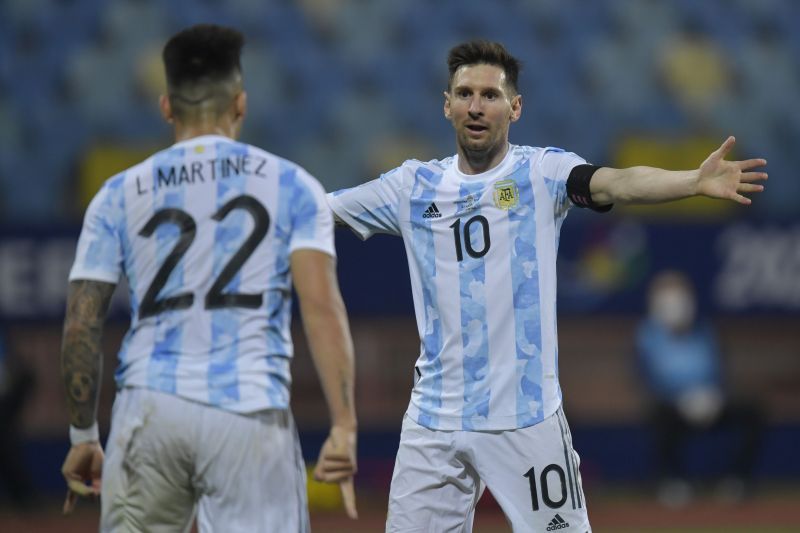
<point>81,358</point>
<point>81,369</point>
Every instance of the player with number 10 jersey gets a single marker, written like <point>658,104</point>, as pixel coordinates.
<point>475,244</point>
<point>206,227</point>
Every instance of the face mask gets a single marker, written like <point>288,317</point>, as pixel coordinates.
<point>673,309</point>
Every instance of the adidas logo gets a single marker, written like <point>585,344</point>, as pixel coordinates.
<point>432,212</point>
<point>557,523</point>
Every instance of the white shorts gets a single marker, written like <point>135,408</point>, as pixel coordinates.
<point>532,473</point>
<point>167,456</point>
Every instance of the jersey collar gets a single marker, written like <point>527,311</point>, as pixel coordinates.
<point>211,137</point>
<point>500,169</point>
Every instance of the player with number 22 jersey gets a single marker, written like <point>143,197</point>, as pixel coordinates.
<point>235,213</point>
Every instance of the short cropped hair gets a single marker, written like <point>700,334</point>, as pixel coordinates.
<point>483,52</point>
<point>201,54</point>
<point>203,70</point>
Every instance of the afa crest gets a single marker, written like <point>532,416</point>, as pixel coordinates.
<point>506,194</point>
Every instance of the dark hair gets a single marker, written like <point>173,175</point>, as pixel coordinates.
<point>483,52</point>
<point>203,53</point>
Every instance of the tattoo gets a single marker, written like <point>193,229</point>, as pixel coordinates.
<point>81,357</point>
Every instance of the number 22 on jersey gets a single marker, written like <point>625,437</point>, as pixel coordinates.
<point>215,298</point>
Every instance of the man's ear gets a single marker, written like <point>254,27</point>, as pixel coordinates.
<point>166,108</point>
<point>240,105</point>
<point>447,113</point>
<point>516,108</point>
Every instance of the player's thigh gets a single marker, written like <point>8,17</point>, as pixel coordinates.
<point>251,475</point>
<point>146,473</point>
<point>432,490</point>
<point>533,474</point>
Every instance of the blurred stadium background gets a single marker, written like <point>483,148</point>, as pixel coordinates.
<point>349,88</point>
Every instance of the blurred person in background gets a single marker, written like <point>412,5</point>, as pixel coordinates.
<point>17,383</point>
<point>211,235</point>
<point>680,359</point>
<point>481,231</point>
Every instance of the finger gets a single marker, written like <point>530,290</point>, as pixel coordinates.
<point>319,472</point>
<point>336,461</point>
<point>69,502</point>
<point>95,481</point>
<point>326,463</point>
<point>738,198</point>
<point>749,187</point>
<point>751,163</point>
<point>80,488</point>
<point>349,498</point>
<point>333,456</point>
<point>341,467</point>
<point>725,147</point>
<point>335,477</point>
<point>753,176</point>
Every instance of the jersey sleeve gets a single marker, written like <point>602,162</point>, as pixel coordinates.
<point>555,166</point>
<point>371,207</point>
<point>99,253</point>
<point>312,222</point>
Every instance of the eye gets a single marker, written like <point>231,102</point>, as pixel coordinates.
<point>491,95</point>
<point>463,93</point>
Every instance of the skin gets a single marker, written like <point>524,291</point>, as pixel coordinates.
<point>481,107</point>
<point>205,117</point>
<point>322,309</point>
<point>715,178</point>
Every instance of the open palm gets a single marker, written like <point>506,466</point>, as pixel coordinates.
<point>729,180</point>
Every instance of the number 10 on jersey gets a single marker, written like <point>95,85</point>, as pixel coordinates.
<point>466,239</point>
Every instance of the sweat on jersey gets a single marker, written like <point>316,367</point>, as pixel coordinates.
<point>482,258</point>
<point>203,231</point>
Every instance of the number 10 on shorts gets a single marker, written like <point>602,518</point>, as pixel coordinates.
<point>546,474</point>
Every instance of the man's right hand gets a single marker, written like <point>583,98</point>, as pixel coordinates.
<point>337,464</point>
<point>83,465</point>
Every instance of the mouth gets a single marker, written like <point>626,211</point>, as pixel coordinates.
<point>476,130</point>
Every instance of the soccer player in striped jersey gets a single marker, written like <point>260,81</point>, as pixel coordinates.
<point>210,234</point>
<point>481,232</point>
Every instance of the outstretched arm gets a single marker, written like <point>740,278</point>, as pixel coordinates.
<point>328,334</point>
<point>81,370</point>
<point>715,178</point>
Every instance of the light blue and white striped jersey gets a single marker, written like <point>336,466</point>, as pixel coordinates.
<point>482,257</point>
<point>203,231</point>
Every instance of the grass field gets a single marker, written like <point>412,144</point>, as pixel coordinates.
<point>612,510</point>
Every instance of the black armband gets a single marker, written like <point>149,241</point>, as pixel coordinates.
<point>578,188</point>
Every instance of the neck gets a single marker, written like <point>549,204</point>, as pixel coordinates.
<point>190,130</point>
<point>480,161</point>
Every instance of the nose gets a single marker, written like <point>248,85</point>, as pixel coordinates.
<point>475,108</point>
